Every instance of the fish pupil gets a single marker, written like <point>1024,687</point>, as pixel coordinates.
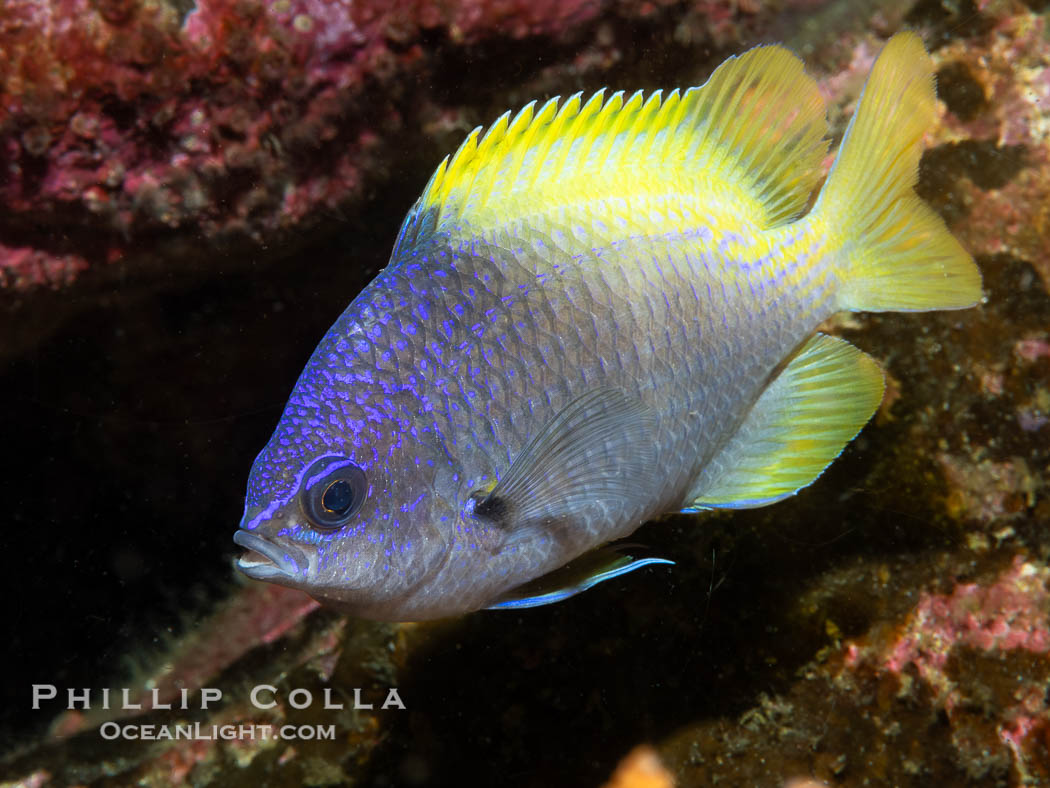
<point>338,498</point>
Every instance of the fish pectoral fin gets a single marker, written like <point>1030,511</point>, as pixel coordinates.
<point>577,576</point>
<point>597,450</point>
<point>799,424</point>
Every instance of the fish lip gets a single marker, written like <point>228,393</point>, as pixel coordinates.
<point>277,562</point>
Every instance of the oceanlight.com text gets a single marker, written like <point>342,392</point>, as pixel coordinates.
<point>197,732</point>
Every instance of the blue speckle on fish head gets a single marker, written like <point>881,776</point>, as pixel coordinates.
<point>349,501</point>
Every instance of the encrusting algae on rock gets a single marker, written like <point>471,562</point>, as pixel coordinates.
<point>598,312</point>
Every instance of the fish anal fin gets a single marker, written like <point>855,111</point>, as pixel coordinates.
<point>799,424</point>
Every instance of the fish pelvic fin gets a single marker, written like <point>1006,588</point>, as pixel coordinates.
<point>798,426</point>
<point>755,130</point>
<point>901,256</point>
<point>580,574</point>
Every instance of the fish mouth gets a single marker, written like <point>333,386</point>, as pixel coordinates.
<point>265,560</point>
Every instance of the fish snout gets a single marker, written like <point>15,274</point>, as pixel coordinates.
<point>267,560</point>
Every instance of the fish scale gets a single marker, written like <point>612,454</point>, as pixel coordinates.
<point>536,323</point>
<point>597,312</point>
<point>567,345</point>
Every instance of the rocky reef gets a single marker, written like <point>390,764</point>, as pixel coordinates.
<point>890,625</point>
<point>128,123</point>
<point>145,140</point>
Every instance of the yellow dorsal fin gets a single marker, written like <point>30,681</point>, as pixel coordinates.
<point>756,127</point>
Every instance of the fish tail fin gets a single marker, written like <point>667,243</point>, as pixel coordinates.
<point>900,255</point>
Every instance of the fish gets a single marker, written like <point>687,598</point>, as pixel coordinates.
<point>600,311</point>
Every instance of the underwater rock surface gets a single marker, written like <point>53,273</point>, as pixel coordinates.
<point>122,121</point>
<point>888,626</point>
<point>151,140</point>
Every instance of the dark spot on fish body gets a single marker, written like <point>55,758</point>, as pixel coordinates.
<point>493,507</point>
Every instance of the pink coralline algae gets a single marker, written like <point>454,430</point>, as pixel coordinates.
<point>120,122</point>
<point>987,491</point>
<point>1013,612</point>
<point>1006,109</point>
<point>1008,614</point>
<point>1033,348</point>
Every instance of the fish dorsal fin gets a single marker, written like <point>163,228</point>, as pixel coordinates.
<point>799,424</point>
<point>755,128</point>
<point>574,578</point>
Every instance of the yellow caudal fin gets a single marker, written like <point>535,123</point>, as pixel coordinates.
<point>899,255</point>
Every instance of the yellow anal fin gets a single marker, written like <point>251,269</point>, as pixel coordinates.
<point>755,128</point>
<point>798,426</point>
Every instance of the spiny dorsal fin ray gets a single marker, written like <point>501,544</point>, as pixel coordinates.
<point>756,126</point>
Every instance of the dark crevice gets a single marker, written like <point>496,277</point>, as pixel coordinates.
<point>960,91</point>
<point>947,20</point>
<point>985,162</point>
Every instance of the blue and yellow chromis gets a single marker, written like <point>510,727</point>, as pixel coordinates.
<point>599,311</point>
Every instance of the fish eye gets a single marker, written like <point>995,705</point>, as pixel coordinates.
<point>332,493</point>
